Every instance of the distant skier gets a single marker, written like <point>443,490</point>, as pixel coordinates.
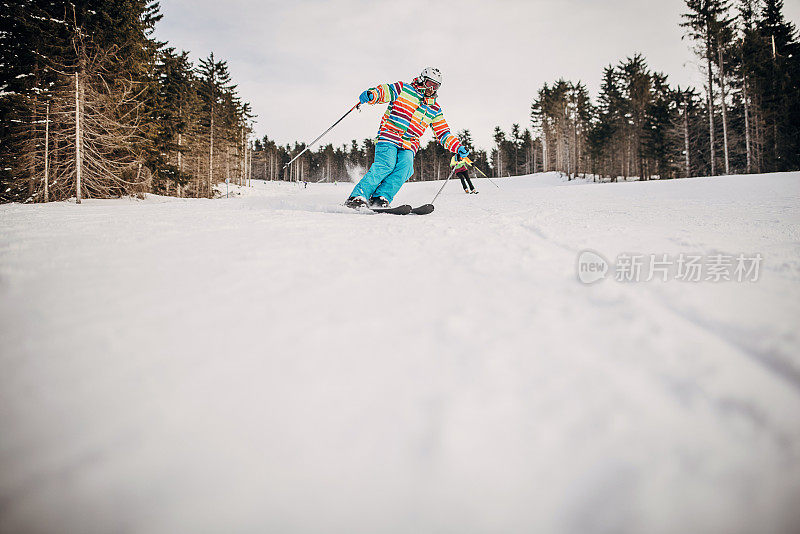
<point>463,174</point>
<point>412,108</point>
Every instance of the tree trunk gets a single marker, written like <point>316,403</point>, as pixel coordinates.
<point>242,159</point>
<point>545,167</point>
<point>776,155</point>
<point>643,173</point>
<point>724,111</point>
<point>575,148</point>
<point>758,128</point>
<point>248,158</point>
<point>687,160</point>
<point>710,105</point>
<point>747,128</point>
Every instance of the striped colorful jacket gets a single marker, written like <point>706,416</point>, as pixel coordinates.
<point>408,116</point>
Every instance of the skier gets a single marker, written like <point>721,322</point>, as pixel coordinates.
<point>412,108</point>
<point>463,175</point>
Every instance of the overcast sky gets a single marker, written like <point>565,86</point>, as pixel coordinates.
<point>302,63</point>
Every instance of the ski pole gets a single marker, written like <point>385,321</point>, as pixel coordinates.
<point>444,184</point>
<point>357,106</point>
<point>480,171</point>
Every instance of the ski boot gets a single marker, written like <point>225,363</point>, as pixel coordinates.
<point>356,202</point>
<point>378,202</point>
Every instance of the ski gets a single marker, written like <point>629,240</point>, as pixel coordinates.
<point>405,209</point>
<point>423,210</point>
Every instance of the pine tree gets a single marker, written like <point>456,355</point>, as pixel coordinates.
<point>48,42</point>
<point>725,58</point>
<point>780,86</point>
<point>636,84</point>
<point>214,82</point>
<point>499,139</point>
<point>702,23</point>
<point>466,139</point>
<point>658,146</point>
<point>539,125</point>
<point>748,51</point>
<point>607,128</point>
<point>685,134</point>
<point>582,116</point>
<point>176,106</point>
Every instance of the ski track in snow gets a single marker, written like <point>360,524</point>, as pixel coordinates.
<point>277,362</point>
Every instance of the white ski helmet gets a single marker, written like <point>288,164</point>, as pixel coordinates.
<point>432,73</point>
<point>429,81</point>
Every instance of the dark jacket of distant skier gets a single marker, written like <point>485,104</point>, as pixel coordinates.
<point>412,108</point>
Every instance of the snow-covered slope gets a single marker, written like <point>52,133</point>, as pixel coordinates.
<point>275,362</point>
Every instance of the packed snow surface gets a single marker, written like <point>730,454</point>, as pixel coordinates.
<point>275,362</point>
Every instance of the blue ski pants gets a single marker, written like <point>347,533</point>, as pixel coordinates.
<point>392,167</point>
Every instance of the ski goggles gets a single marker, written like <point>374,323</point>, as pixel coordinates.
<point>430,84</point>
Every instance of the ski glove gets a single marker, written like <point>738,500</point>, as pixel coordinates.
<point>365,97</point>
<point>463,152</point>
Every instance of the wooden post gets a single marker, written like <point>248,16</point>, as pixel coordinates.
<point>78,141</point>
<point>180,161</point>
<point>180,168</point>
<point>211,152</point>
